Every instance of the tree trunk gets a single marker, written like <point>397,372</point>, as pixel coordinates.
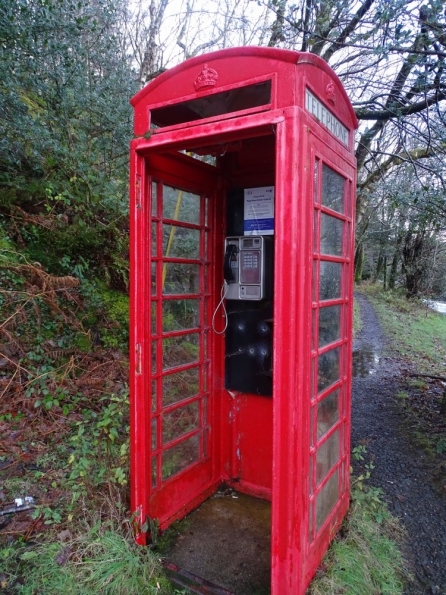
<point>412,266</point>
<point>378,268</point>
<point>359,261</point>
<point>394,268</point>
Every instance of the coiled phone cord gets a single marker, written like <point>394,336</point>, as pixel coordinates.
<point>224,291</point>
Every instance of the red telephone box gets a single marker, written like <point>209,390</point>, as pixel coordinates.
<point>242,196</point>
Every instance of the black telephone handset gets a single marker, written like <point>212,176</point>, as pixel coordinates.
<point>228,273</point>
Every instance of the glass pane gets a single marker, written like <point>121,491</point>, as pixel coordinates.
<point>329,325</point>
<point>205,411</point>
<point>182,455</point>
<point>328,369</point>
<point>154,471</point>
<point>327,413</point>
<point>348,199</point>
<point>207,279</point>
<point>349,240</point>
<point>207,212</point>
<point>315,234</point>
<point>316,181</point>
<point>154,201</point>
<point>203,346</point>
<point>180,422</point>
<point>312,441</point>
<point>333,186</point>
<point>330,280</point>
<point>154,393</point>
<point>154,354</point>
<point>153,242</point>
<point>315,282</point>
<point>224,102</point>
<point>178,351</point>
<point>181,242</point>
<point>154,433</point>
<point>153,279</point>
<point>331,235</point>
<point>312,383</point>
<point>180,386</point>
<point>153,321</point>
<point>181,206</point>
<point>206,443</point>
<point>311,474</point>
<point>205,376</point>
<point>314,341</point>
<point>181,278</point>
<point>327,456</point>
<point>347,280</point>
<point>180,314</point>
<point>327,499</point>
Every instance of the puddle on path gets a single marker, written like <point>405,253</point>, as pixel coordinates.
<point>227,541</point>
<point>365,361</point>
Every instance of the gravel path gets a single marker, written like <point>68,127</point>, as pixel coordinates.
<point>401,469</point>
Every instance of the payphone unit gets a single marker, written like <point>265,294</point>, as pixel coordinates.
<point>246,267</point>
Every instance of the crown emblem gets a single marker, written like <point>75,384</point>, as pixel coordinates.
<point>331,95</point>
<point>207,78</point>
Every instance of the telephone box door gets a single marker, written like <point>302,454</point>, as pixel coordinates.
<point>173,380</point>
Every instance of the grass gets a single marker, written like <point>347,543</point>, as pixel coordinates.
<point>416,332</point>
<point>365,557</point>
<point>101,558</point>
<point>364,562</point>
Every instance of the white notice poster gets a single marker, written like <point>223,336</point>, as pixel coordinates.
<point>259,211</point>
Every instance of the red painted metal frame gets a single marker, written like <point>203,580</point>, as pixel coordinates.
<point>321,153</point>
<point>162,497</point>
<point>196,177</point>
<point>299,140</point>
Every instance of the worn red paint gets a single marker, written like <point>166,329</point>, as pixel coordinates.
<point>271,117</point>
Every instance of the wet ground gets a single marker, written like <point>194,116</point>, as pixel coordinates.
<point>401,469</point>
<point>227,541</point>
<point>237,556</point>
<point>439,306</point>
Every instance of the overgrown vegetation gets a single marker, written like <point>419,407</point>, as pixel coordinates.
<point>66,124</point>
<point>100,557</point>
<point>64,437</point>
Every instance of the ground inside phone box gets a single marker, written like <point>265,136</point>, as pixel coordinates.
<point>242,178</point>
